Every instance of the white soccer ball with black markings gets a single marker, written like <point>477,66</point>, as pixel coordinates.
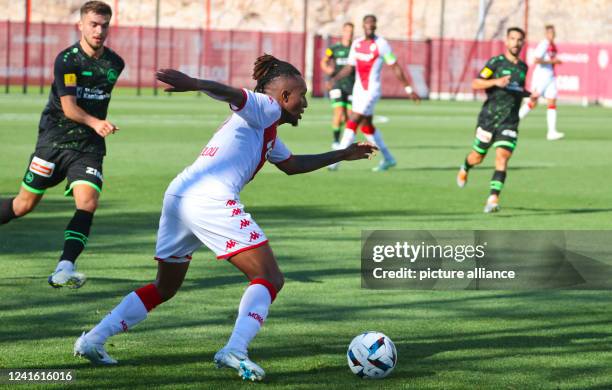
<point>371,355</point>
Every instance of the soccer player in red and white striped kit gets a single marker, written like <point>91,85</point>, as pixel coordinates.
<point>202,207</point>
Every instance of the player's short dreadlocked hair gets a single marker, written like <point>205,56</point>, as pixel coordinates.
<point>268,67</point>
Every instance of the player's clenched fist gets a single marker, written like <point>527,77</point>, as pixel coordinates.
<point>104,128</point>
<point>502,82</point>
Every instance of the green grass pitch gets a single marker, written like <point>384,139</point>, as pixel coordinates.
<point>445,340</point>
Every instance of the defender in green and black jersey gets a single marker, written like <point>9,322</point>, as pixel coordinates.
<point>503,79</point>
<point>336,57</point>
<point>71,136</point>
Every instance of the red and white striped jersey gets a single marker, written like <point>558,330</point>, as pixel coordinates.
<point>367,56</point>
<point>236,152</point>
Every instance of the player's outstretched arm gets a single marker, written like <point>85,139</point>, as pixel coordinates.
<point>312,162</point>
<point>77,114</point>
<point>180,82</point>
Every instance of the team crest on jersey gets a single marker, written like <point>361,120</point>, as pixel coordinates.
<point>70,80</point>
<point>112,75</point>
<point>372,46</point>
<point>41,167</point>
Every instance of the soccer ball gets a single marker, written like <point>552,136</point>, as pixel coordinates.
<point>371,355</point>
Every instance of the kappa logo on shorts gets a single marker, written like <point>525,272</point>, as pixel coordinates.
<point>483,135</point>
<point>254,236</point>
<point>41,167</point>
<point>230,244</point>
<point>230,202</point>
<point>236,211</point>
<point>244,223</point>
<point>94,171</point>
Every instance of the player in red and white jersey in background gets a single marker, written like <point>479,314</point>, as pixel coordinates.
<point>202,207</point>
<point>366,58</point>
<point>544,83</point>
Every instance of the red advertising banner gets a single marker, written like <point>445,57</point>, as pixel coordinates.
<point>225,56</point>
<point>438,68</point>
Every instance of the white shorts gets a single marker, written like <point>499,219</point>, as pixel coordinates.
<point>545,86</point>
<point>188,222</point>
<point>364,101</point>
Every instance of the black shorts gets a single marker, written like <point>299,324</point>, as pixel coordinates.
<point>340,98</point>
<point>49,167</point>
<point>505,139</point>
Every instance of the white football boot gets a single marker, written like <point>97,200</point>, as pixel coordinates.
<point>95,353</point>
<point>554,135</point>
<point>67,278</point>
<point>239,361</point>
<point>492,205</point>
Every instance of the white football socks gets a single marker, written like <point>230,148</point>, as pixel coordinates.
<point>551,119</point>
<point>252,313</point>
<point>348,137</point>
<point>124,316</point>
<point>525,109</point>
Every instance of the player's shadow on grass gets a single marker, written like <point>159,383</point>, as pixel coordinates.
<point>554,211</point>
<point>455,168</point>
<point>428,147</point>
<point>43,233</point>
<point>289,215</point>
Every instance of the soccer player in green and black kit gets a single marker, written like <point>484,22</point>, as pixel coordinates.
<point>71,137</point>
<point>335,59</point>
<point>503,79</point>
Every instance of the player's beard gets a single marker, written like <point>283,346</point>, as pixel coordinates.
<point>290,118</point>
<point>93,44</point>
